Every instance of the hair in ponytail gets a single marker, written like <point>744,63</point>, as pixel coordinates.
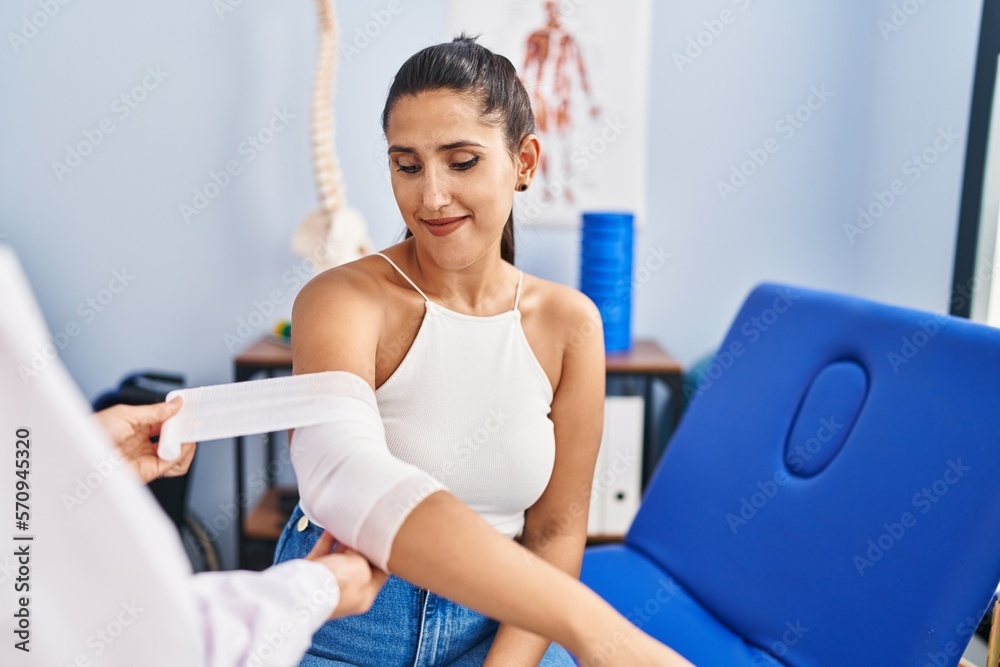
<point>466,67</point>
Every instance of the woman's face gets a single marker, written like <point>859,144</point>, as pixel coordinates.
<point>452,176</point>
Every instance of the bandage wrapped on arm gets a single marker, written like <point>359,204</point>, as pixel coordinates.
<point>349,482</point>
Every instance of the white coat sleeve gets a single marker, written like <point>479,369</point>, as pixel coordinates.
<point>251,619</point>
<point>110,583</point>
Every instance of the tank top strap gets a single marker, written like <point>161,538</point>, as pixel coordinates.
<point>517,295</point>
<point>404,275</point>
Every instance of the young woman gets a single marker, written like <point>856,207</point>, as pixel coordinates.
<point>490,380</point>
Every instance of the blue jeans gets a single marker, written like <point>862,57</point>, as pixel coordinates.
<point>407,626</point>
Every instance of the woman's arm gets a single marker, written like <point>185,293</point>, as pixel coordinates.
<point>449,549</point>
<point>555,526</point>
<point>443,545</point>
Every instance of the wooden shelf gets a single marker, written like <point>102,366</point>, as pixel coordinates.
<point>265,353</point>
<point>646,356</point>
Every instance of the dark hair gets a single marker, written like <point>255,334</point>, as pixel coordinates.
<point>466,67</point>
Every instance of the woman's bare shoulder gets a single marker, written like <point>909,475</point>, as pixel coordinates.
<point>337,319</point>
<point>357,280</point>
<point>560,305</point>
<point>565,329</point>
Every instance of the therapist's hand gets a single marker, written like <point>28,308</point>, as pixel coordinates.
<point>130,427</point>
<point>358,579</point>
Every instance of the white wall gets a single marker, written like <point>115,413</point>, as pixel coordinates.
<point>779,225</point>
<point>922,82</point>
<point>192,282</point>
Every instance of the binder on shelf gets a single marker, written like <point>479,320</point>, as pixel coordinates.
<point>617,486</point>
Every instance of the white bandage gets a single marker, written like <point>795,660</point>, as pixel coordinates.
<point>258,406</point>
<point>348,480</point>
<point>351,485</point>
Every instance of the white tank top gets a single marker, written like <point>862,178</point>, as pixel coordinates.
<point>469,404</point>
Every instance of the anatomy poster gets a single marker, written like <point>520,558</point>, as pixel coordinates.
<point>585,66</point>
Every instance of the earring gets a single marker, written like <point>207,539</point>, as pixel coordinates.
<point>524,186</point>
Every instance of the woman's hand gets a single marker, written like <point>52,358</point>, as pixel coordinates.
<point>130,427</point>
<point>359,581</point>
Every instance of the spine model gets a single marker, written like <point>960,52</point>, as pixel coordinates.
<point>335,233</point>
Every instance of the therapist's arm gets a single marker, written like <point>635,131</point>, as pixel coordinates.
<point>269,617</point>
<point>442,545</point>
<point>271,614</point>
